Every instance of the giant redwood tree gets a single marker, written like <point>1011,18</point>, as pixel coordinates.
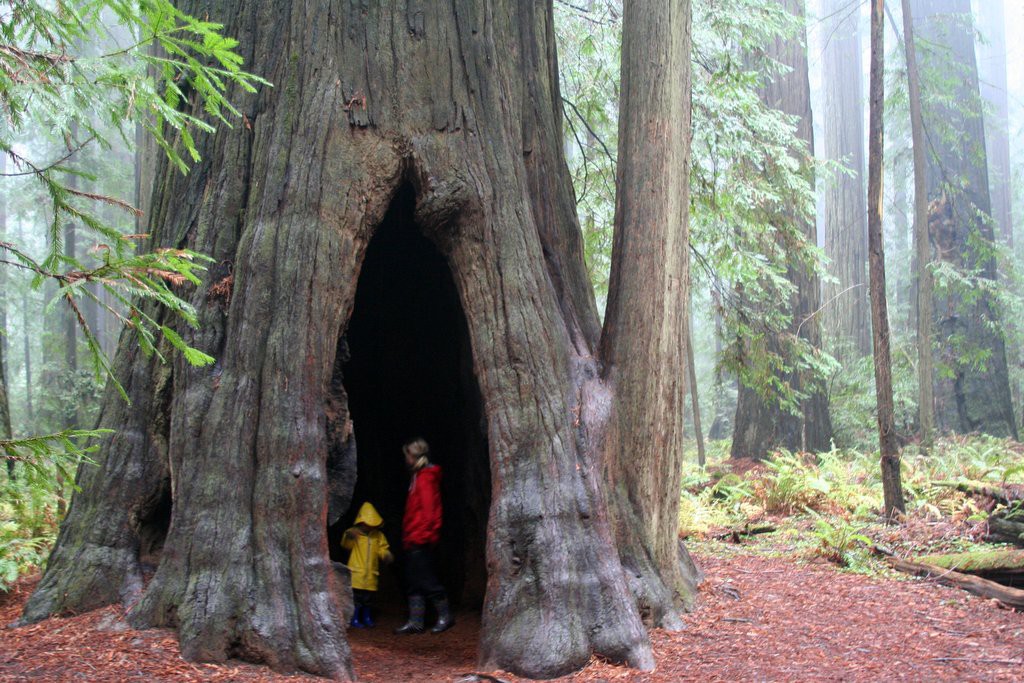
<point>972,392</point>
<point>396,252</point>
<point>846,308</point>
<point>762,425</point>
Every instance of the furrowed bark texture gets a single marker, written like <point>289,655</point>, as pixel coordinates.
<point>847,312</point>
<point>761,426</point>
<point>459,102</point>
<point>922,245</point>
<point>645,327</point>
<point>977,398</point>
<point>890,458</point>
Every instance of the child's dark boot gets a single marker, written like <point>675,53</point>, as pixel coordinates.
<point>417,607</point>
<point>444,615</point>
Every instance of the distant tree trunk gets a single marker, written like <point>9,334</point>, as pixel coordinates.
<point>760,425</point>
<point>890,457</point>
<point>645,328</point>
<point>720,425</point>
<point>5,401</point>
<point>993,81</point>
<point>992,58</point>
<point>976,397</point>
<point>432,168</point>
<point>69,398</point>
<point>922,245</point>
<point>691,363</point>
<point>847,311</point>
<point>26,339</point>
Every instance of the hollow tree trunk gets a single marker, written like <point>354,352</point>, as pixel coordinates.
<point>762,426</point>
<point>890,458</point>
<point>976,396</point>
<point>847,312</point>
<point>459,102</point>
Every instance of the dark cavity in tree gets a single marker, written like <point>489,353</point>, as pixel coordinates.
<point>410,373</point>
<point>153,527</point>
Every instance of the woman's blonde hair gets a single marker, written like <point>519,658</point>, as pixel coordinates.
<point>418,449</point>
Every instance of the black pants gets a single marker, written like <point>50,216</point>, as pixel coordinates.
<point>362,598</point>
<point>420,577</point>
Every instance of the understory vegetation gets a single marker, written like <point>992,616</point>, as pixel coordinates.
<point>825,506</point>
<point>830,505</point>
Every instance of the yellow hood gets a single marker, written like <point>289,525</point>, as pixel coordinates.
<point>369,516</point>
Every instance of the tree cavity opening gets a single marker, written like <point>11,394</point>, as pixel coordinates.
<point>409,373</point>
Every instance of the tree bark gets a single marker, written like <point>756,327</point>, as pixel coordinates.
<point>976,397</point>
<point>5,400</point>
<point>762,426</point>
<point>70,327</point>
<point>891,486</point>
<point>847,310</point>
<point>922,245</point>
<point>26,341</point>
<point>645,328</point>
<point>691,366</point>
<point>457,105</point>
<point>994,90</point>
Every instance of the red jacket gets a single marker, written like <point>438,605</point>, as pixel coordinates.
<point>421,524</point>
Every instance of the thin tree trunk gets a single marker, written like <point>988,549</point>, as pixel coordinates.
<point>925,371</point>
<point>5,404</point>
<point>26,340</point>
<point>847,311</point>
<point>645,327</point>
<point>720,427</point>
<point>698,432</point>
<point>890,457</point>
<point>70,324</point>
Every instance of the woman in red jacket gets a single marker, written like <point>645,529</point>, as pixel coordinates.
<point>421,531</point>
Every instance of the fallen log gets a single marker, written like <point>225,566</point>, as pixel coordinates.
<point>735,535</point>
<point>1006,525</point>
<point>1000,494</point>
<point>1005,566</point>
<point>1012,597</point>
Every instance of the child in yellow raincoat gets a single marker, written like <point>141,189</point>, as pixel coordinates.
<point>369,547</point>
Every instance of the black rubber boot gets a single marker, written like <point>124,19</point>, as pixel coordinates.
<point>444,615</point>
<point>417,606</point>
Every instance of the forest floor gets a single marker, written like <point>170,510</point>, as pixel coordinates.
<point>762,616</point>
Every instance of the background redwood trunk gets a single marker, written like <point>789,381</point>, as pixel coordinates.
<point>977,396</point>
<point>761,425</point>
<point>847,311</point>
<point>922,245</point>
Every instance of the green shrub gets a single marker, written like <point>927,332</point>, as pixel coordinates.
<point>28,523</point>
<point>837,539</point>
<point>790,484</point>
